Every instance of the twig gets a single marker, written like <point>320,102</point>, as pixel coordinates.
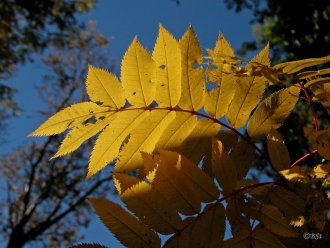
<point>302,158</point>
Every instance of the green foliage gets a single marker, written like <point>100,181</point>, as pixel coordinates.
<point>185,164</point>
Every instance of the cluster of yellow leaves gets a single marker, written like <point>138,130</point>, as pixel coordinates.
<point>161,120</point>
<point>156,102</point>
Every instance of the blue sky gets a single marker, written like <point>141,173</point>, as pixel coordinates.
<point>122,20</point>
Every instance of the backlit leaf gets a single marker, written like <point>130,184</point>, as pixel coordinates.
<point>198,144</point>
<point>137,68</point>
<point>130,231</point>
<point>177,131</point>
<point>69,117</point>
<point>152,208</point>
<point>294,66</point>
<point>248,92</point>
<point>79,134</point>
<point>218,100</point>
<point>104,87</point>
<point>167,79</point>
<point>192,79</point>
<point>272,112</point>
<point>123,182</point>
<point>143,138</point>
<point>110,140</point>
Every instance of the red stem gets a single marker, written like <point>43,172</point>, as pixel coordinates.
<point>302,158</point>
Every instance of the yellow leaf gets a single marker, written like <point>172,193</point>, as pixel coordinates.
<point>321,171</point>
<point>167,79</point>
<point>262,57</point>
<point>321,141</point>
<point>130,231</point>
<point>274,221</point>
<point>123,182</point>
<point>272,112</point>
<point>137,70</point>
<point>296,174</point>
<point>80,134</point>
<point>218,99</point>
<point>317,81</point>
<point>198,144</point>
<point>150,163</point>
<point>177,132</point>
<point>143,138</point>
<point>192,79</point>
<point>110,140</point>
<point>312,74</point>
<point>294,66</point>
<point>204,187</point>
<point>205,230</point>
<point>248,92</point>
<point>222,53</point>
<point>152,208</point>
<point>170,182</point>
<point>69,117</point>
<point>322,94</point>
<point>277,151</point>
<point>104,87</point>
<point>223,167</point>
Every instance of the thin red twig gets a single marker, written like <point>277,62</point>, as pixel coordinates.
<point>302,158</point>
